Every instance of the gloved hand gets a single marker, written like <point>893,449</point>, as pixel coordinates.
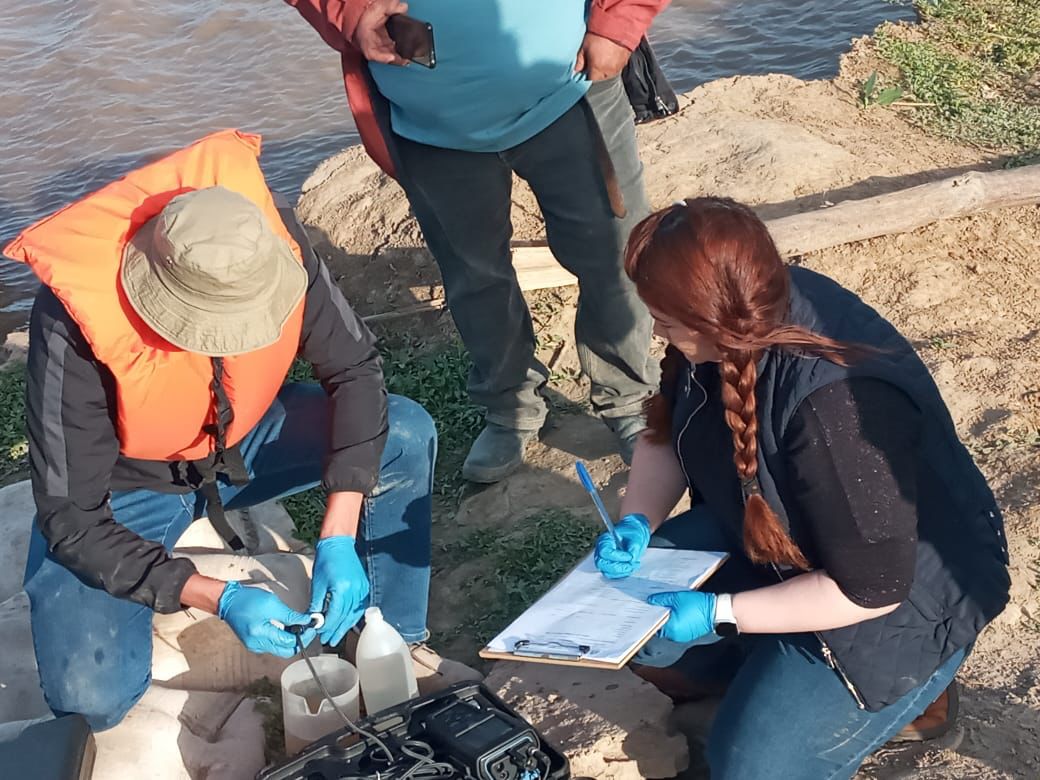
<point>616,562</point>
<point>249,612</point>
<point>338,573</point>
<point>692,621</point>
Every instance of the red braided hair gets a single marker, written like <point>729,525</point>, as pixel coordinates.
<point>711,265</point>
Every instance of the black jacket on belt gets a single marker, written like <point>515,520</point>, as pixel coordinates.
<point>74,447</point>
<point>960,578</point>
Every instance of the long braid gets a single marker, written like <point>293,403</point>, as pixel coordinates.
<point>765,540</point>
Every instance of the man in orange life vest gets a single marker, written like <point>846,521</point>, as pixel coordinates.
<point>156,396</point>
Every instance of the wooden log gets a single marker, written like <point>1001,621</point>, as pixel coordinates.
<point>849,221</point>
<point>905,210</point>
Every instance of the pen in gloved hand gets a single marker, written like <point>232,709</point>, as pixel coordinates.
<point>586,481</point>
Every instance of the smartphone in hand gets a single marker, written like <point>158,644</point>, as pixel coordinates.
<point>413,39</point>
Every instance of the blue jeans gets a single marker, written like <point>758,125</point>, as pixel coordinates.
<point>785,714</point>
<point>462,201</point>
<point>94,651</point>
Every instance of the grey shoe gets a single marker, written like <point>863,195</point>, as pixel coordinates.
<point>497,453</point>
<point>628,430</point>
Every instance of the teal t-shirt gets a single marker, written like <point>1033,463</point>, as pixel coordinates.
<point>505,72</point>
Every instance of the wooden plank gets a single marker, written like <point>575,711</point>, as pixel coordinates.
<point>537,269</point>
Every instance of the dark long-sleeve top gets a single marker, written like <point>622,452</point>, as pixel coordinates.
<point>851,455</point>
<point>74,447</point>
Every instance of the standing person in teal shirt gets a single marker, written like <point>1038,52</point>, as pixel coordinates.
<point>530,87</point>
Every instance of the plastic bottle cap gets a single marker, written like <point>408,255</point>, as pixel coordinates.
<point>373,615</point>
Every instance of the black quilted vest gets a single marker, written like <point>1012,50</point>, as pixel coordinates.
<point>961,580</point>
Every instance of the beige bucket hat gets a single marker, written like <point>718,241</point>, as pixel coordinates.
<point>210,276</point>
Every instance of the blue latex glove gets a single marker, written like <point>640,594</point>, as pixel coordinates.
<point>339,576</point>
<point>616,562</point>
<point>249,612</point>
<point>692,621</point>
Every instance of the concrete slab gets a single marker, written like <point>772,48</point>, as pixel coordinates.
<point>20,695</point>
<point>17,510</point>
<point>157,742</point>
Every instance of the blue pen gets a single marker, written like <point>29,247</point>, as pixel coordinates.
<point>586,480</point>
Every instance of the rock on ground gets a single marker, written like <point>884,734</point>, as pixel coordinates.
<point>611,725</point>
<point>15,347</point>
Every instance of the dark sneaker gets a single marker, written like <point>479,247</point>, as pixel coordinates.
<point>937,719</point>
<point>497,453</point>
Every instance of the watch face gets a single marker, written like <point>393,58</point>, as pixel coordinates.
<point>726,629</point>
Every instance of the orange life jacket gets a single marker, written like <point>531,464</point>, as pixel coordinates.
<point>163,392</point>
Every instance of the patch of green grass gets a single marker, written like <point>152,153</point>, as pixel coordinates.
<point>14,447</point>
<point>307,510</point>
<point>1005,32</point>
<point>516,568</point>
<point>435,378</point>
<point>970,68</point>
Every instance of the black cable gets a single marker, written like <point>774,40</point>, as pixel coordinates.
<point>425,768</point>
<point>328,697</point>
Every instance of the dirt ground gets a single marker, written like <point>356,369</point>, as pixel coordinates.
<point>965,291</point>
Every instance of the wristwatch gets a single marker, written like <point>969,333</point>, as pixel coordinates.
<point>725,620</point>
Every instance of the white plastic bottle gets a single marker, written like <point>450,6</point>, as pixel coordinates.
<point>384,664</point>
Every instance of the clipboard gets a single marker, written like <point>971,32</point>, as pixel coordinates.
<point>589,621</point>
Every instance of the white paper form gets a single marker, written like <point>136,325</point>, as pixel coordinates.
<point>602,620</point>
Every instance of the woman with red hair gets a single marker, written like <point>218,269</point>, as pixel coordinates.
<point>866,549</point>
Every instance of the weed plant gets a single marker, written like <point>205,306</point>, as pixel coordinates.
<point>974,65</point>
<point>14,448</point>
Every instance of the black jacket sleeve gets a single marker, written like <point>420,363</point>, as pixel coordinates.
<point>346,361</point>
<point>852,455</point>
<point>72,449</point>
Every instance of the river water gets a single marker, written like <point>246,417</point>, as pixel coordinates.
<point>91,88</point>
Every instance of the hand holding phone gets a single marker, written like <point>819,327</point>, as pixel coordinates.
<point>371,36</point>
<point>413,39</point>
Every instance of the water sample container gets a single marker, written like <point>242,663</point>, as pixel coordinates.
<point>384,663</point>
<point>306,714</point>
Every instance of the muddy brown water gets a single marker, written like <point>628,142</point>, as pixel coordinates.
<point>92,88</point>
